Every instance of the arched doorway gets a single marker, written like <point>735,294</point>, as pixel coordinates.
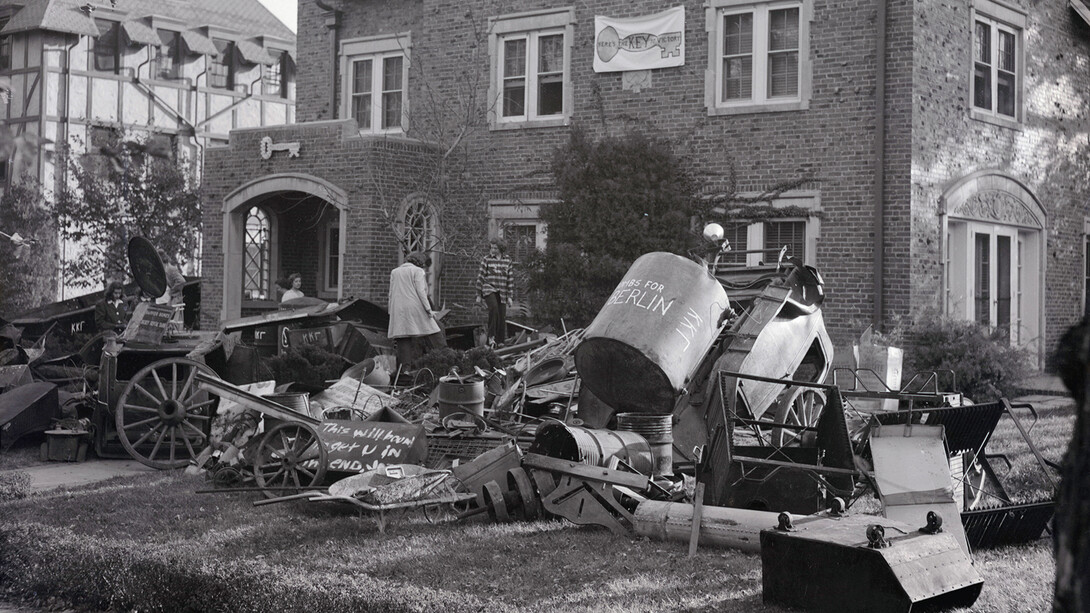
<point>994,247</point>
<point>277,225</point>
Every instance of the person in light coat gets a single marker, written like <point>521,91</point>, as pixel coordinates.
<point>412,321</point>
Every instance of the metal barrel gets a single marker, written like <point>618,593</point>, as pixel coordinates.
<point>593,447</point>
<point>651,334</point>
<point>659,432</point>
<point>461,397</point>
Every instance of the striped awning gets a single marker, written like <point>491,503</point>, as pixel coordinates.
<point>1082,8</point>
<point>253,53</point>
<point>199,44</point>
<point>140,33</point>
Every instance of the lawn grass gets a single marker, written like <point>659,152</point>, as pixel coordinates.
<point>148,542</point>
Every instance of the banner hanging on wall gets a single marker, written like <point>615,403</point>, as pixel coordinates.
<point>640,43</point>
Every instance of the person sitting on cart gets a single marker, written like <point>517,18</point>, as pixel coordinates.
<point>112,312</point>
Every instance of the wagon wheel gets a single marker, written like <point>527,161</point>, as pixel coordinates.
<point>518,480</point>
<point>802,407</point>
<point>163,408</point>
<point>290,456</point>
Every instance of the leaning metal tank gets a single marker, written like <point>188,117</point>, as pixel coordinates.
<point>653,331</point>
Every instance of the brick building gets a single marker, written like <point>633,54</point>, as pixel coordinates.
<point>941,149</point>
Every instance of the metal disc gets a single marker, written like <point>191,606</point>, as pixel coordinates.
<point>147,268</point>
<point>493,501</point>
<point>519,481</point>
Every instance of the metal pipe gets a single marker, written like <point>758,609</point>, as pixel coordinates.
<point>719,526</point>
<point>879,164</point>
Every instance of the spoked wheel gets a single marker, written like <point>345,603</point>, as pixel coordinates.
<point>290,456</point>
<point>162,416</point>
<point>798,406</point>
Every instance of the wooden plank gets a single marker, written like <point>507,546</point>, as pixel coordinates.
<point>265,406</point>
<point>586,472</point>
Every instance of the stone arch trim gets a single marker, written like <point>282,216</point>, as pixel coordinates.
<point>252,194</point>
<point>285,182</point>
<point>993,196</point>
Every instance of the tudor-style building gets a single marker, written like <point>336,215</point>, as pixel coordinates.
<point>180,73</point>
<point>946,145</point>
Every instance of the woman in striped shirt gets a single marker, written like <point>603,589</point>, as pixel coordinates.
<point>496,286</point>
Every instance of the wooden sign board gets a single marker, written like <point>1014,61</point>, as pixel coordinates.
<point>359,446</point>
<point>148,324</point>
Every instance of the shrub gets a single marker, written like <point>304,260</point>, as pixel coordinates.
<point>440,361</point>
<point>14,484</point>
<point>620,197</point>
<point>984,363</point>
<point>307,365</point>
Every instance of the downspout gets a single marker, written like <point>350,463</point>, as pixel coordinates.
<point>63,174</point>
<point>331,22</point>
<point>879,164</point>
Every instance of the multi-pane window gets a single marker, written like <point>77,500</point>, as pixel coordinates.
<point>378,91</point>
<point>5,47</point>
<point>995,67</point>
<point>273,81</point>
<point>168,56</point>
<point>790,234</point>
<point>256,251</point>
<point>759,54</point>
<point>521,240</point>
<point>532,75</point>
<point>107,47</point>
<point>221,67</point>
<point>755,243</point>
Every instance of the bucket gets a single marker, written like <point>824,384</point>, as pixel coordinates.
<point>593,447</point>
<point>659,432</point>
<point>653,331</point>
<point>461,397</point>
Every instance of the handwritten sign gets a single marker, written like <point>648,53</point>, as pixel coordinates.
<point>640,43</point>
<point>148,324</point>
<point>359,446</point>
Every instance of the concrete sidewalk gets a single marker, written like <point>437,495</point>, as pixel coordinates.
<point>44,477</point>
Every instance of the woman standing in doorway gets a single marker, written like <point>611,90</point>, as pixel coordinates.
<point>495,286</point>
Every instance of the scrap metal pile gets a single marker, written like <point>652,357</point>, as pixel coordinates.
<point>700,405</point>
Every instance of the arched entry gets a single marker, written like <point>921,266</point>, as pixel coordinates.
<point>291,202</point>
<point>994,248</point>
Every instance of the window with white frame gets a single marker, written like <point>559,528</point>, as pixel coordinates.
<point>760,56</point>
<point>756,242</point>
<point>518,225</point>
<point>997,61</point>
<point>256,265</point>
<point>375,74</point>
<point>531,68</point>
<point>419,231</point>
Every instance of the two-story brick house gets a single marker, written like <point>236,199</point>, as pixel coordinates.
<point>941,148</point>
<point>183,73</point>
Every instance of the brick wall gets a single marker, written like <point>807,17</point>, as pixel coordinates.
<point>1049,153</point>
<point>930,139</point>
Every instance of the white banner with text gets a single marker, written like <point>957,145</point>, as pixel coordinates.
<point>640,43</point>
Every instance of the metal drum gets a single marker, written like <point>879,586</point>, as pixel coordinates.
<point>651,334</point>
<point>456,396</point>
<point>593,447</point>
<point>659,432</point>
